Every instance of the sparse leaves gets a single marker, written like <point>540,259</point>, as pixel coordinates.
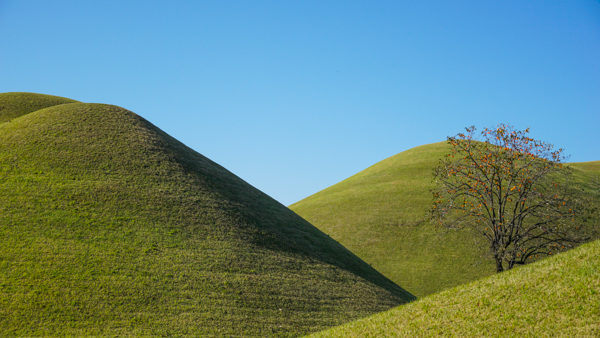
<point>512,189</point>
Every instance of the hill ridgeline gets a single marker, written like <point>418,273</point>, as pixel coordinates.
<point>109,226</point>
<point>381,215</point>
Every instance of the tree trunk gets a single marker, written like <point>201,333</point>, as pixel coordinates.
<point>499,267</point>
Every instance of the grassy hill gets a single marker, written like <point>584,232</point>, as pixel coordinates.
<point>13,105</point>
<point>379,214</point>
<point>109,226</point>
<point>557,296</point>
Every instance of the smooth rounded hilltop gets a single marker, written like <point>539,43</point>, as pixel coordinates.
<point>110,226</point>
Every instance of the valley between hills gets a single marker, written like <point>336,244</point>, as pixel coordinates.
<point>109,226</point>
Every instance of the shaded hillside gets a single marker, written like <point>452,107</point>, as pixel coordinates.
<point>110,226</point>
<point>380,214</point>
<point>557,296</point>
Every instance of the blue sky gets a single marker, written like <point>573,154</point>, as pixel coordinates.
<point>294,96</point>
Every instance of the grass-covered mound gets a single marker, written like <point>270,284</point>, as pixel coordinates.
<point>13,105</point>
<point>380,214</point>
<point>557,296</point>
<point>111,227</point>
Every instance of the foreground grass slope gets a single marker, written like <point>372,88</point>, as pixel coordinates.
<point>557,296</point>
<point>380,214</point>
<point>111,227</point>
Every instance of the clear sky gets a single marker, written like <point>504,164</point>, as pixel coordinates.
<point>294,96</point>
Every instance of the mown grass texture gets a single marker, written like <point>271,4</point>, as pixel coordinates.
<point>13,105</point>
<point>381,214</point>
<point>557,296</point>
<point>111,227</point>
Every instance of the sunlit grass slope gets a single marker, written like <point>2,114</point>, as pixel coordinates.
<point>380,215</point>
<point>557,296</point>
<point>592,169</point>
<point>111,227</point>
<point>16,104</point>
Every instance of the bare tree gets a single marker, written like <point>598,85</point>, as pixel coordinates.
<point>512,189</point>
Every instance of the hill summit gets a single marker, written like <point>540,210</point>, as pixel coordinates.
<point>381,214</point>
<point>111,226</point>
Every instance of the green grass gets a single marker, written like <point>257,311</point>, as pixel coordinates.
<point>557,296</point>
<point>380,215</point>
<point>111,227</point>
<point>13,105</point>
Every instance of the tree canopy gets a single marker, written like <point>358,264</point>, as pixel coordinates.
<point>512,189</point>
